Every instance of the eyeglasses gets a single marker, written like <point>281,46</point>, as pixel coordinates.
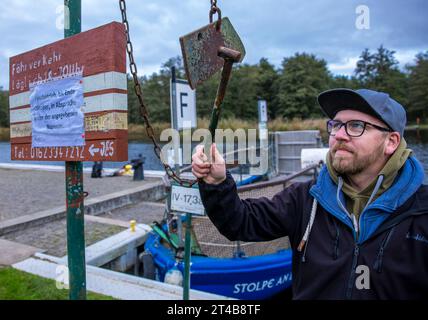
<point>353,128</point>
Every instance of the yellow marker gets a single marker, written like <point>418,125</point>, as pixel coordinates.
<point>133,224</point>
<point>128,170</point>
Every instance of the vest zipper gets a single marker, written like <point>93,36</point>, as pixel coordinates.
<point>352,275</point>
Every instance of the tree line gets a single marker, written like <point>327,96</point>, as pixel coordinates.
<point>289,90</point>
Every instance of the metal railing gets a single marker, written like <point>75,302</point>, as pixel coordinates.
<point>281,179</point>
<point>224,155</point>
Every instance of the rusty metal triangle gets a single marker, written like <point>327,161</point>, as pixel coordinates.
<point>200,50</point>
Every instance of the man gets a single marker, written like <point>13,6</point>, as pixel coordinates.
<point>360,231</point>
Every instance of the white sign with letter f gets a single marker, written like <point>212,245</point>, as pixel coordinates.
<point>183,104</point>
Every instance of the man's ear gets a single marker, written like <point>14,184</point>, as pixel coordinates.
<point>392,142</point>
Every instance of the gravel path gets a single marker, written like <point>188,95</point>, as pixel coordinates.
<point>23,192</point>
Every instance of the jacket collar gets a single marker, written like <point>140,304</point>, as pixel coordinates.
<point>407,182</point>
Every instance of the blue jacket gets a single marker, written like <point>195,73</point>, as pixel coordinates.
<point>407,183</point>
<point>388,259</point>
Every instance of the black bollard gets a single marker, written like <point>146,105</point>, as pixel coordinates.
<point>97,169</point>
<point>137,165</point>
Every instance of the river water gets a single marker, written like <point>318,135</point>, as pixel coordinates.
<point>417,141</point>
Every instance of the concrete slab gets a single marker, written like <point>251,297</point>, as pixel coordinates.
<point>152,191</point>
<point>114,284</point>
<point>13,252</point>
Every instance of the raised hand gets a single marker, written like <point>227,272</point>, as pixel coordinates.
<point>211,173</point>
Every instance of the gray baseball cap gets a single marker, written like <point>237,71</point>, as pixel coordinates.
<point>375,103</point>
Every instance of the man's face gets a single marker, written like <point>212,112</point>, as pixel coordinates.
<point>353,155</point>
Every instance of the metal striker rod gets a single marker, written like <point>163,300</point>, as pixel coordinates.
<point>230,56</point>
<point>74,186</point>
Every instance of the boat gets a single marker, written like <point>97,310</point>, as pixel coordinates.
<point>239,276</point>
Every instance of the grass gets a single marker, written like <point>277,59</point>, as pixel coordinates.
<point>138,132</point>
<point>18,285</point>
<point>4,134</point>
<point>414,127</point>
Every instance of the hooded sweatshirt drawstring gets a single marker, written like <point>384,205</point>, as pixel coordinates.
<point>353,217</point>
<point>375,190</point>
<point>305,240</point>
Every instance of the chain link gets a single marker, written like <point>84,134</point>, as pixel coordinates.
<point>215,10</point>
<point>143,108</point>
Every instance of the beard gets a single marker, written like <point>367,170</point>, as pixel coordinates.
<point>353,163</point>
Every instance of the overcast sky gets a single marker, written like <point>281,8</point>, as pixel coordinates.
<point>273,29</point>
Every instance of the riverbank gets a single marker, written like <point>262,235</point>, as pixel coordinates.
<point>137,132</point>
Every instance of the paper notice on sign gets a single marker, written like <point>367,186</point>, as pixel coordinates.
<point>56,113</point>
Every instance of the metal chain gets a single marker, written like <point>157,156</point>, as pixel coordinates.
<point>143,108</point>
<point>213,10</point>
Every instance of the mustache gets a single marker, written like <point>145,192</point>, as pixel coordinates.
<point>342,146</point>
